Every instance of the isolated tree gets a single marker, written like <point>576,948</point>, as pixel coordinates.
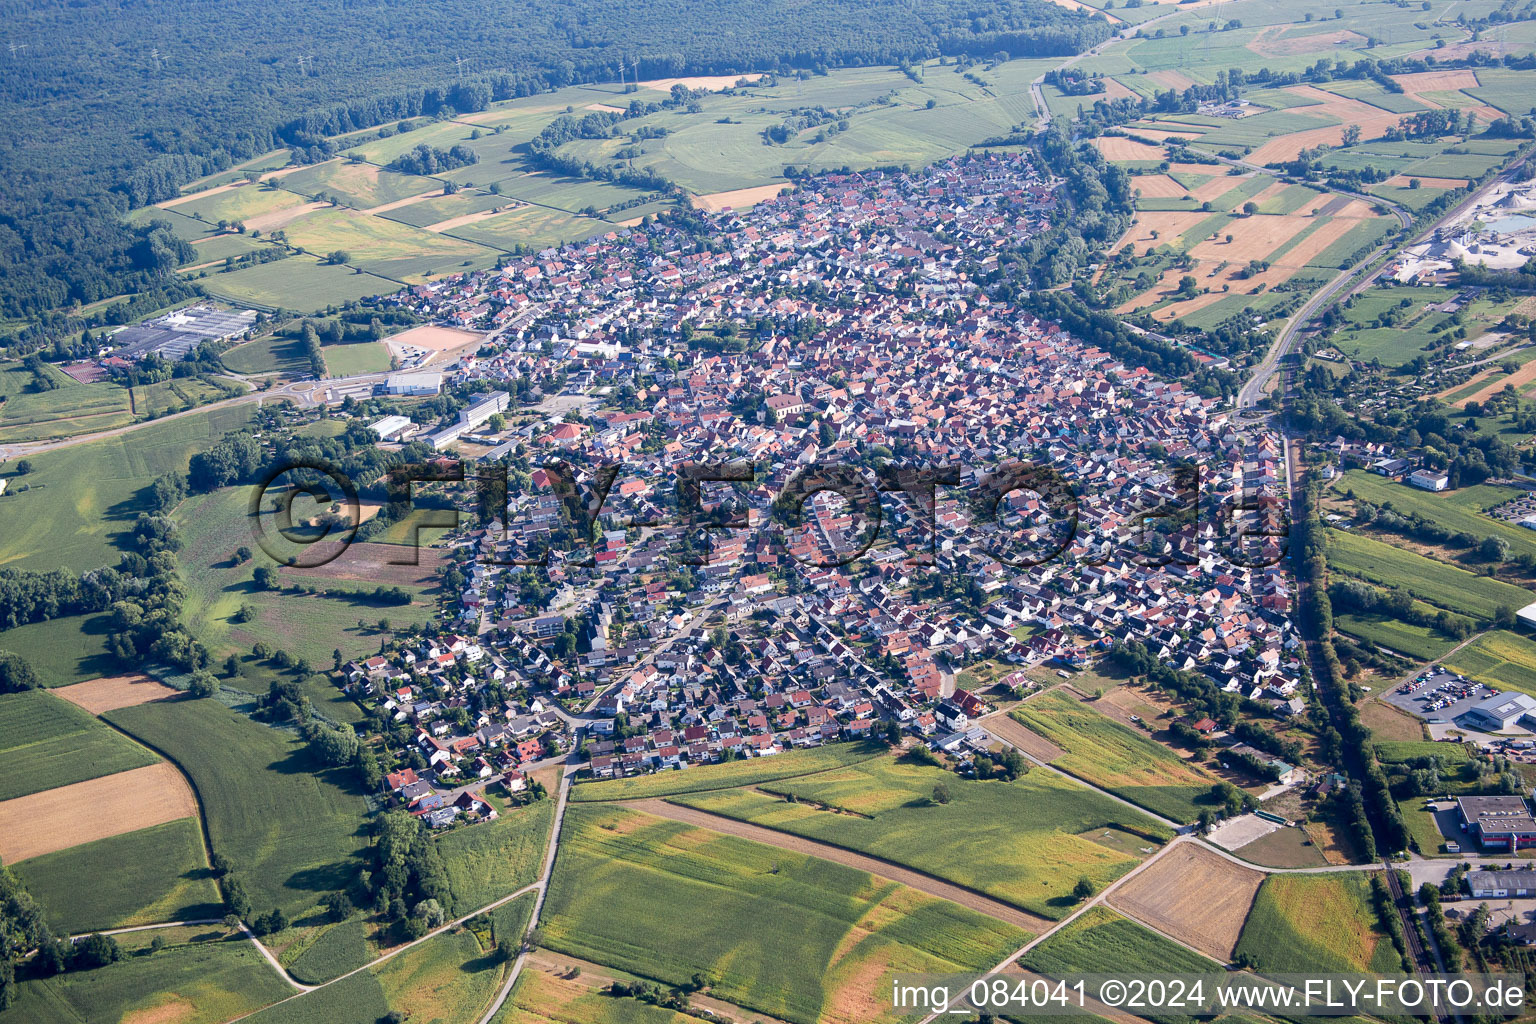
<point>1082,890</point>
<point>15,674</point>
<point>940,793</point>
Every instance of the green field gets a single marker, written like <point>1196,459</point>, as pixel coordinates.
<point>448,978</point>
<point>205,982</point>
<point>1316,923</point>
<point>1397,751</point>
<point>730,774</point>
<point>360,186</point>
<point>1461,510</point>
<point>1023,842</point>
<point>310,626</point>
<point>437,209</point>
<point>47,742</point>
<point>299,283</point>
<point>83,498</point>
<point>486,862</point>
<point>355,359</point>
<point>66,650</point>
<point>1108,755</point>
<point>541,998</point>
<point>356,999</point>
<point>145,877</point>
<point>1433,582</point>
<point>290,825</point>
<point>339,949</point>
<point>535,227</point>
<point>1103,942</point>
<point>386,248</point>
<point>272,354</point>
<point>238,204</point>
<point>154,400</point>
<point>784,934</point>
<point>1421,642</point>
<point>70,408</point>
<point>1499,658</point>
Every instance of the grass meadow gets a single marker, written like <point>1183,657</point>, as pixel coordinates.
<point>490,860</point>
<point>1433,582</point>
<point>341,948</point>
<point>290,825</point>
<point>1317,923</point>
<point>1020,842</point>
<point>1502,659</point>
<point>1461,510</point>
<point>797,937</point>
<point>730,774</point>
<point>70,649</point>
<point>47,742</point>
<point>1109,755</point>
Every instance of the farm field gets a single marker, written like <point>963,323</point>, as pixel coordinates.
<point>1500,658</point>
<point>536,227</point>
<point>488,861</point>
<point>111,805</point>
<point>289,824</point>
<point>1316,923</point>
<point>1025,842</point>
<point>1461,510</point>
<point>202,982</point>
<point>155,400</point>
<point>69,409</point>
<point>341,948</point>
<point>272,354</point>
<point>144,877</point>
<point>83,498</point>
<point>358,185</point>
<point>731,774</point>
<point>1194,895</point>
<point>46,742</point>
<point>1430,581</point>
<point>1103,942</point>
<point>356,999</point>
<point>1421,642</point>
<point>386,248</point>
<point>447,978</point>
<point>69,649</point>
<point>619,872</point>
<point>111,693</point>
<point>542,998</point>
<point>1112,757</point>
<point>301,284</point>
<point>212,526</point>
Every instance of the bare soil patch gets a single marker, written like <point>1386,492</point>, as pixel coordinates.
<point>112,692</point>
<point>713,83</point>
<point>1118,148</point>
<point>1401,181</point>
<point>58,819</point>
<point>373,563</point>
<point>894,872</point>
<point>1277,41</point>
<point>1194,895</point>
<point>1158,186</point>
<point>436,340</point>
<point>738,198</point>
<point>282,218</point>
<point>1518,380</point>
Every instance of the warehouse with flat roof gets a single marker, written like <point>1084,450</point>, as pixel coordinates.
<point>1501,711</point>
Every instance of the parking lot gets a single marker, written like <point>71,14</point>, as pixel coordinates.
<point>1440,698</point>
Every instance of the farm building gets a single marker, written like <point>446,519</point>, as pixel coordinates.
<point>1502,710</point>
<point>1498,822</point>
<point>1502,883</point>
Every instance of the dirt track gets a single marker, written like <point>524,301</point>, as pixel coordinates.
<point>992,908</point>
<point>58,819</point>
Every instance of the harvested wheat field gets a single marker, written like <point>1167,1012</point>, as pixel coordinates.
<point>1158,186</point>
<point>1114,89</point>
<point>1169,225</point>
<point>1402,180</point>
<point>1219,186</point>
<point>1280,41</point>
<point>1437,81</point>
<point>1253,238</point>
<point>711,83</point>
<point>407,201</point>
<point>1172,79</point>
<point>1117,148</point>
<point>1026,739</point>
<point>1372,121</point>
<point>112,692</point>
<point>282,218</point>
<point>1517,380</point>
<point>738,198</point>
<point>1194,895</point>
<point>58,819</point>
<point>1163,135</point>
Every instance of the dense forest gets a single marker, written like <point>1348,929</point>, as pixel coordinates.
<point>111,105</point>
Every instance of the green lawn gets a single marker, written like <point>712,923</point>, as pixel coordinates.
<point>207,982</point>
<point>1022,842</point>
<point>1436,583</point>
<point>146,877</point>
<point>783,934</point>
<point>357,358</point>
<point>730,774</point>
<point>1105,753</point>
<point>83,499</point>
<point>1316,923</point>
<point>291,826</point>
<point>47,742</point>
<point>272,354</point>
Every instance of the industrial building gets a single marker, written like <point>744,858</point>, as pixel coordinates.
<point>481,408</point>
<point>175,335</point>
<point>413,384</point>
<point>1501,711</point>
<point>1486,884</point>
<point>1498,822</point>
<point>391,428</point>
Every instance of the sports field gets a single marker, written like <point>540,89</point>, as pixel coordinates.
<point>1112,757</point>
<point>357,358</point>
<point>800,938</point>
<point>290,825</point>
<point>1319,923</point>
<point>46,742</point>
<point>1024,842</point>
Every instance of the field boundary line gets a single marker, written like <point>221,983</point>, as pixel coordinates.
<point>721,789</point>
